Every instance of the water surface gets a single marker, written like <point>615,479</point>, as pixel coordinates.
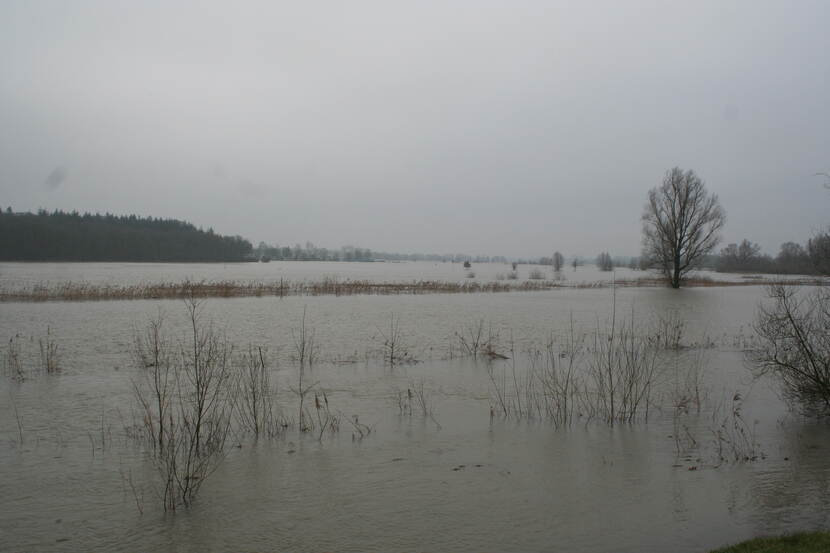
<point>460,480</point>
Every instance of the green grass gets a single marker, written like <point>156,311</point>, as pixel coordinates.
<point>813,542</point>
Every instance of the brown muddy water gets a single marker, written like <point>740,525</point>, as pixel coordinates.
<point>460,479</point>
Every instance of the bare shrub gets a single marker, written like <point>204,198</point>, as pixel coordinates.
<point>556,368</point>
<point>187,402</point>
<point>667,330</point>
<point>688,391</point>
<point>536,274</point>
<point>794,335</point>
<point>153,351</point>
<point>255,395</point>
<point>306,353</point>
<point>322,418</point>
<point>474,341</point>
<point>209,372</point>
<point>623,368</point>
<point>470,339</point>
<point>193,393</point>
<point>393,347</point>
<point>614,374</point>
<point>513,275</point>
<point>686,397</point>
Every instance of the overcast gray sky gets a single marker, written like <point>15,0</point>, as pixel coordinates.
<point>511,128</point>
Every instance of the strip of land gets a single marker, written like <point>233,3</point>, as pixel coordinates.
<point>83,291</point>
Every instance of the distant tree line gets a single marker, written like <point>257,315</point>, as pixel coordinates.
<point>446,257</point>
<point>793,258</point>
<point>71,236</point>
<point>310,252</point>
<point>557,260</point>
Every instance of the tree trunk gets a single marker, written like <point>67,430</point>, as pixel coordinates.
<point>675,279</point>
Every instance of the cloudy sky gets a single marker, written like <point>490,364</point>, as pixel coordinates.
<point>511,128</point>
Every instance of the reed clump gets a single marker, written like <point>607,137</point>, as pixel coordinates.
<point>12,360</point>
<point>49,359</point>
<point>734,438</point>
<point>417,400</point>
<point>24,358</point>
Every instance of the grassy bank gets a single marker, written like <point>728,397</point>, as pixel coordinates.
<point>812,542</point>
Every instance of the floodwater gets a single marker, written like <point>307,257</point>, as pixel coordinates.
<point>457,480</point>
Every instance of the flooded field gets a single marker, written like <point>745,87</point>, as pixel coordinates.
<point>14,276</point>
<point>449,451</point>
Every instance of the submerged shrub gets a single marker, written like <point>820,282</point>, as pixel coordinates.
<point>186,403</point>
<point>794,336</point>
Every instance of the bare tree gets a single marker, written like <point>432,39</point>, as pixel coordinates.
<point>794,344</point>
<point>818,250</point>
<point>681,224</point>
<point>605,262</point>
<point>557,261</point>
<point>745,256</point>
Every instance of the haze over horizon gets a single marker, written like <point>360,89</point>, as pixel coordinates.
<point>479,127</point>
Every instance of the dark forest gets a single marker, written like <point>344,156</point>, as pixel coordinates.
<point>62,236</point>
